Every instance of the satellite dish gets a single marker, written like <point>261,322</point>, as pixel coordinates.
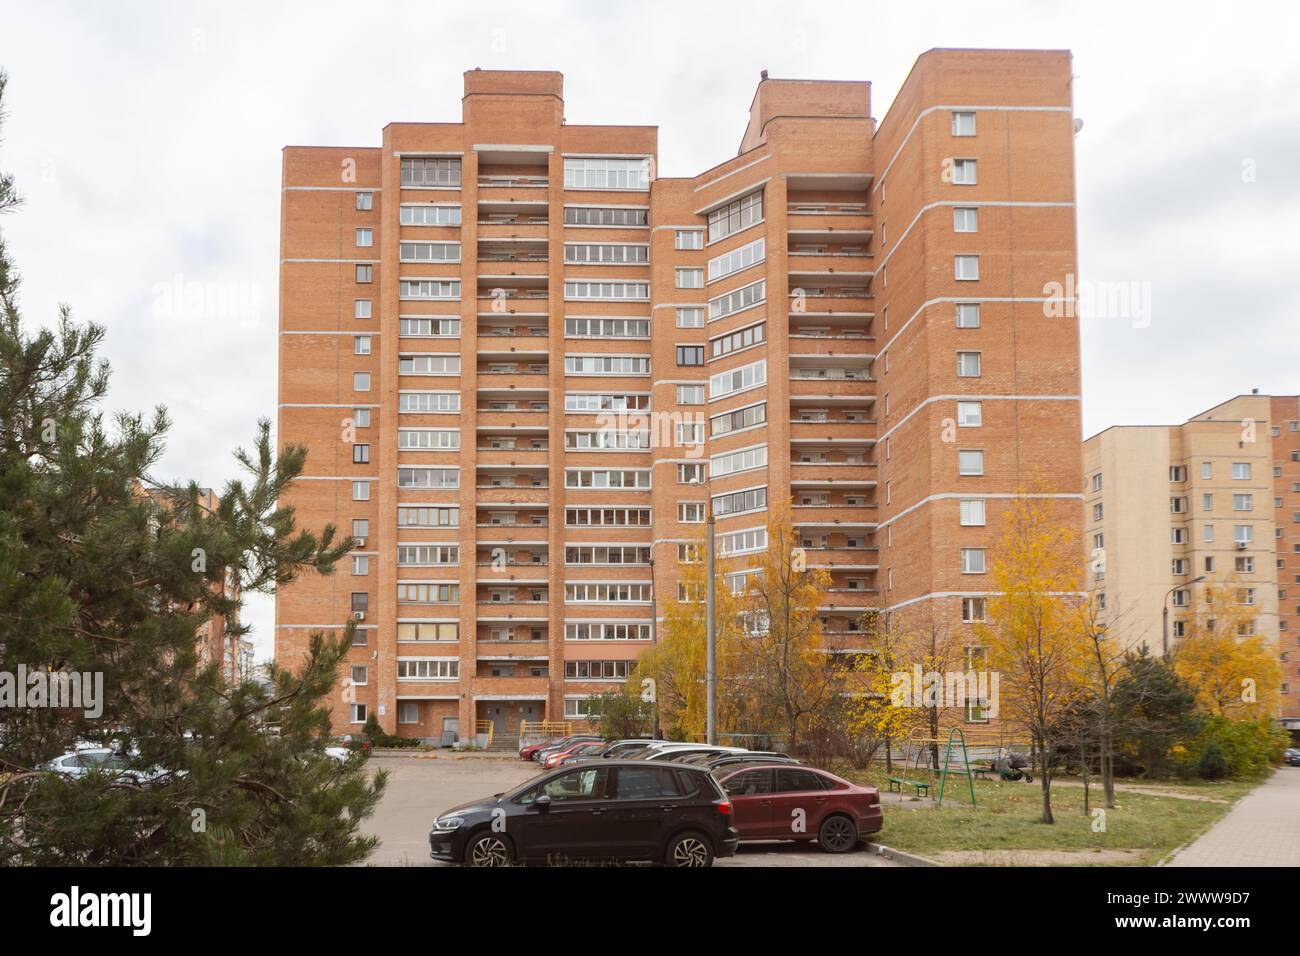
<point>1078,125</point>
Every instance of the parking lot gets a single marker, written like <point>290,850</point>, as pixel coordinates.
<point>422,786</point>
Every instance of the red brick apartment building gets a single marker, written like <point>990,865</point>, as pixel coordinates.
<point>477,320</point>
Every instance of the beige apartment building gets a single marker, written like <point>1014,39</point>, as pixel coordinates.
<point>524,364</point>
<point>1171,508</point>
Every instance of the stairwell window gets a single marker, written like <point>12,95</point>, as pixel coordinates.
<point>365,202</point>
<point>965,219</point>
<point>365,238</point>
<point>365,273</point>
<point>689,239</point>
<point>963,172</point>
<point>968,315</point>
<point>970,462</point>
<point>972,560</point>
<point>970,414</point>
<point>966,268</point>
<point>963,123</point>
<point>361,381</point>
<point>690,278</point>
<point>362,309</point>
<point>1241,471</point>
<point>968,364</point>
<point>972,512</point>
<point>690,317</point>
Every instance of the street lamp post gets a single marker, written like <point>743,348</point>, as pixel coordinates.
<point>710,610</point>
<point>1164,613</point>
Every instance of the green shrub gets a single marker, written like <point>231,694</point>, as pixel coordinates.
<point>1241,749</point>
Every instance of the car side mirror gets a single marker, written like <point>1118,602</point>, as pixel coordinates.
<point>543,802</point>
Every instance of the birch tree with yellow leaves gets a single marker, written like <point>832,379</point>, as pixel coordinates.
<point>1034,635</point>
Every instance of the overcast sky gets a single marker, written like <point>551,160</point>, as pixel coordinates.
<point>146,139</point>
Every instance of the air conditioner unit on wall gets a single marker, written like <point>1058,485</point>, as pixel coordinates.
<point>359,615</point>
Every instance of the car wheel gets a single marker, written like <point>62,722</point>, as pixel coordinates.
<point>837,834</point>
<point>689,849</point>
<point>487,849</point>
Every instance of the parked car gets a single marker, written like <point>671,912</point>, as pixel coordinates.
<point>551,758</point>
<point>677,753</point>
<point>1292,757</point>
<point>784,802</point>
<point>711,758</point>
<point>578,753</point>
<point>84,761</point>
<point>611,810</point>
<point>541,752</point>
<point>625,748</point>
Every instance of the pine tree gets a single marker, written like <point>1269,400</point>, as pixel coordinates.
<point>105,569</point>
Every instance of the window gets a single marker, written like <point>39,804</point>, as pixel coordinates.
<point>428,402</point>
<point>965,219</point>
<point>690,394</point>
<point>737,380</point>
<point>610,631</point>
<point>361,454</point>
<point>446,631</point>
<point>690,512</point>
<point>690,278</point>
<point>972,512</point>
<point>1179,566</point>
<point>732,262</point>
<point>428,328</point>
<point>428,477</point>
<point>428,251</point>
<point>1243,502</point>
<point>606,365</point>
<point>607,517</point>
<point>972,560</point>
<point>606,328</point>
<point>973,610</point>
<point>415,289</point>
<point>1177,535</point>
<point>692,474</point>
<point>690,433</point>
<point>690,318</point>
<point>733,421</point>
<point>689,239</point>
<point>365,237</point>
<point>428,593</point>
<point>963,123</point>
<point>613,555</point>
<point>968,364</point>
<point>365,273</point>
<point>1177,473</point>
<point>1207,470</point>
<point>428,517</point>
<point>970,414</point>
<point>609,253</point>
<point>732,302</point>
<point>360,565</point>
<point>420,171</point>
<point>357,713</point>
<point>1207,502</point>
<point>970,462</point>
<point>361,309</point>
<point>690,355</point>
<point>361,381</point>
<point>427,555</point>
<point>735,216</point>
<point>408,711</point>
<point>963,172</point>
<point>1245,565</point>
<point>428,439</point>
<point>1243,534</point>
<point>365,202</point>
<point>427,668</point>
<point>427,214</point>
<point>735,341</point>
<point>611,291</point>
<point>1098,511</point>
<point>361,345</point>
<point>1207,534</point>
<point>738,461</point>
<point>606,592</point>
<point>428,364</point>
<point>968,315</point>
<point>607,173</point>
<point>1241,471</point>
<point>604,402</point>
<point>738,502</point>
<point>1178,505</point>
<point>605,216</point>
<point>966,268</point>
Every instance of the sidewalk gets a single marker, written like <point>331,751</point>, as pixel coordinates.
<point>1263,829</point>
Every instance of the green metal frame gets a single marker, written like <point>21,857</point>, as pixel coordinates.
<point>965,759</point>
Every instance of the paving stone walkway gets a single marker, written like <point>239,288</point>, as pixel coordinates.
<point>1263,829</point>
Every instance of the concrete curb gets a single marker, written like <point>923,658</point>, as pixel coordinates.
<point>900,856</point>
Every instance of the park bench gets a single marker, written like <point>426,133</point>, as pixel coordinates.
<point>896,785</point>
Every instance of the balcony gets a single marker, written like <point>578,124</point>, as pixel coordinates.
<point>863,559</point>
<point>523,561</point>
<point>512,180</point>
<point>522,496</point>
<point>806,474</point>
<point>828,346</point>
<point>832,431</point>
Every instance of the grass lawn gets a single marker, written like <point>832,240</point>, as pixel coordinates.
<point>1003,827</point>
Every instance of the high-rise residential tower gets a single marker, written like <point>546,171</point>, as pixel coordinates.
<point>524,364</point>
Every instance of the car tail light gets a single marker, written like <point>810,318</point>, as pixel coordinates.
<point>724,807</point>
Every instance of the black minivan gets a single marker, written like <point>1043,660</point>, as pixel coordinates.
<point>608,810</point>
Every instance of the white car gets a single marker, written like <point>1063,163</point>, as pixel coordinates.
<point>87,760</point>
